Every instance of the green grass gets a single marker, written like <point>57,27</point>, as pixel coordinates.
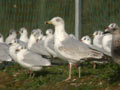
<point>14,77</point>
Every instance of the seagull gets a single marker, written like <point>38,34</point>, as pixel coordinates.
<point>31,60</point>
<point>114,29</point>
<point>68,48</point>
<point>12,35</point>
<point>97,39</point>
<point>87,40</point>
<point>107,39</point>
<point>36,45</point>
<point>23,35</point>
<point>49,42</point>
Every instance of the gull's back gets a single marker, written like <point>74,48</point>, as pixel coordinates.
<point>74,50</point>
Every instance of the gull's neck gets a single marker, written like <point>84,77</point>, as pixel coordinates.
<point>60,33</point>
<point>24,37</point>
<point>31,41</point>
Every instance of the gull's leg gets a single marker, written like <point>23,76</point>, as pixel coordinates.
<point>70,72</point>
<point>79,72</point>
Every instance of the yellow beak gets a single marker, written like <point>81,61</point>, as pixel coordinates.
<point>48,22</point>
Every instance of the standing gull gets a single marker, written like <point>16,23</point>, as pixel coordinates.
<point>87,40</point>
<point>115,50</point>
<point>107,39</point>
<point>68,48</point>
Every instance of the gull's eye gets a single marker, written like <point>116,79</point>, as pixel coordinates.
<point>84,38</point>
<point>57,20</point>
<point>21,31</point>
<point>114,29</point>
<point>10,33</point>
<point>96,33</point>
<point>112,25</point>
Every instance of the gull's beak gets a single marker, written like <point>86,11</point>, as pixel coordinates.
<point>80,40</point>
<point>48,22</point>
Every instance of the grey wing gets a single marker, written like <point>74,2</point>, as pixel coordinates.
<point>39,49</point>
<point>74,49</point>
<point>22,43</point>
<point>100,50</point>
<point>4,52</point>
<point>36,60</point>
<point>42,49</point>
<point>51,44</point>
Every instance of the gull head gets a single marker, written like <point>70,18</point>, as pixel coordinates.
<point>97,34</point>
<point>23,31</point>
<point>112,28</point>
<point>12,33</point>
<point>13,42</point>
<point>49,32</point>
<point>56,21</point>
<point>86,39</point>
<point>20,48</point>
<point>36,31</point>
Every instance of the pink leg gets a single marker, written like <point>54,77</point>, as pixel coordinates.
<point>70,72</point>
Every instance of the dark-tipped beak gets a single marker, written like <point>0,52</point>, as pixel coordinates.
<point>48,22</point>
